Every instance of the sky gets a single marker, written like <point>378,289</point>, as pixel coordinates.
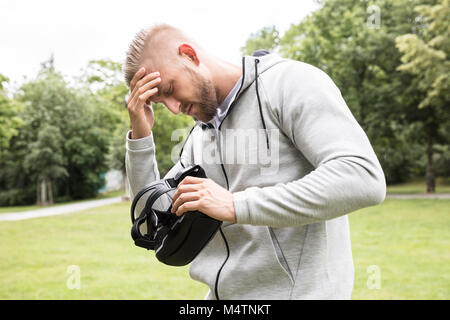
<point>77,31</point>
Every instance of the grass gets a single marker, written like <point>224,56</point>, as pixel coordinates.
<point>415,186</point>
<point>35,256</point>
<point>408,240</point>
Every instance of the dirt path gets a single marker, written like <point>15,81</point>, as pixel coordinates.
<point>62,209</point>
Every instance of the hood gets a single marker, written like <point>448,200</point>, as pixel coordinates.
<point>251,68</point>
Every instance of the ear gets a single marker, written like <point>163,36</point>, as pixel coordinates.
<point>186,50</point>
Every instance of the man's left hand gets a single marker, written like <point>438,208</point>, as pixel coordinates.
<point>206,196</point>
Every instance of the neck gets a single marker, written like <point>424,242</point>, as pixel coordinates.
<point>224,76</point>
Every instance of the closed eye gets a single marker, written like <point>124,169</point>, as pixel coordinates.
<point>170,90</point>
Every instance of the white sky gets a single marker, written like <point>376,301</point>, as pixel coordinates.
<point>77,31</point>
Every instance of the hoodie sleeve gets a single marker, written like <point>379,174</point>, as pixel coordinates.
<point>347,175</point>
<point>142,167</point>
<point>140,162</point>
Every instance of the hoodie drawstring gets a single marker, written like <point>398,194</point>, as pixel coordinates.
<point>184,143</point>
<point>259,103</point>
<point>204,126</point>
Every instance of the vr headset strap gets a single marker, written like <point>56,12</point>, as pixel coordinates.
<point>150,216</point>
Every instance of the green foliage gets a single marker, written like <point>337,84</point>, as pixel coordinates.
<point>355,42</point>
<point>117,149</point>
<point>426,54</point>
<point>63,139</point>
<point>267,38</point>
<point>70,135</point>
<point>168,131</point>
<point>45,158</point>
<point>9,120</point>
<point>100,74</point>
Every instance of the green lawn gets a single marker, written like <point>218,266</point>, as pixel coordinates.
<point>35,255</point>
<point>408,240</point>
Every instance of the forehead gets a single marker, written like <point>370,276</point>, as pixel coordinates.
<point>169,76</point>
<point>171,73</point>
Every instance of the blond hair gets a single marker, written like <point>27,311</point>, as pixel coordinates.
<point>158,36</point>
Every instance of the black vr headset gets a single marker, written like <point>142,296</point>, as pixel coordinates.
<point>176,240</point>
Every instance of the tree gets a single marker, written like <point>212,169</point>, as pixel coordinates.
<point>45,163</point>
<point>354,42</point>
<point>9,120</point>
<point>61,147</point>
<point>267,38</point>
<point>104,79</point>
<point>426,56</point>
<point>165,130</point>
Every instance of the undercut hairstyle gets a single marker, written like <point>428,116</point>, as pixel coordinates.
<point>134,54</point>
<point>147,43</point>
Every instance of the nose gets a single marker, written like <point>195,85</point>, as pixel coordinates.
<point>173,105</point>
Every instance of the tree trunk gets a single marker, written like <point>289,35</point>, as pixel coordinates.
<point>50,192</point>
<point>43,192</point>
<point>38,192</point>
<point>431,183</point>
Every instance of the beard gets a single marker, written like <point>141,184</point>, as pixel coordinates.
<point>208,104</point>
<point>207,99</point>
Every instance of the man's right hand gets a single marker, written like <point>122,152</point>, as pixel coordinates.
<point>142,87</point>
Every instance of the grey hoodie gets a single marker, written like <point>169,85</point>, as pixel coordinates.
<point>297,162</point>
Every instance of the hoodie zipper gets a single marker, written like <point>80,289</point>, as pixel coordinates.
<point>216,285</point>
<point>217,133</point>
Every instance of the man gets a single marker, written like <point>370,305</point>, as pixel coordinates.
<point>299,163</point>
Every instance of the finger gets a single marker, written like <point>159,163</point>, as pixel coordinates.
<point>138,100</point>
<point>148,85</point>
<point>147,94</point>
<point>192,180</point>
<point>188,206</point>
<point>147,78</point>
<point>185,197</point>
<point>185,188</point>
<point>138,75</point>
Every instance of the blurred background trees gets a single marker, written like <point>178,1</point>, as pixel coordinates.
<point>59,137</point>
<point>390,60</point>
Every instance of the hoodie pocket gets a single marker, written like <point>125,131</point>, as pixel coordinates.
<point>279,254</point>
